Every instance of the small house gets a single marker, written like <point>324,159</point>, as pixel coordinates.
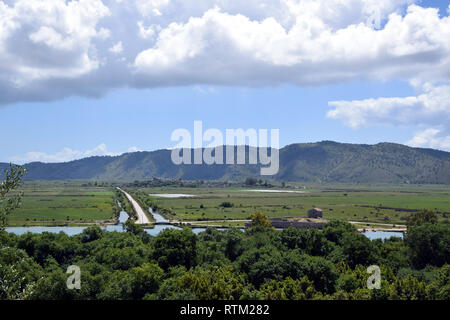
<point>315,213</point>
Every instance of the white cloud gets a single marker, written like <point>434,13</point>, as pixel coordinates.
<point>220,48</point>
<point>57,48</point>
<point>431,138</point>
<point>65,155</point>
<point>429,108</point>
<point>117,48</point>
<point>144,32</point>
<point>151,7</point>
<point>48,39</point>
<point>133,149</point>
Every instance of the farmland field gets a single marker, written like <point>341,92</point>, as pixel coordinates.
<point>75,203</point>
<point>378,204</point>
<point>61,204</point>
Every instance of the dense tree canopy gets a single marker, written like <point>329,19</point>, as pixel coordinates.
<point>422,217</point>
<point>260,263</point>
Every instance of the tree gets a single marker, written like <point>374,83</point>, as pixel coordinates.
<point>10,202</point>
<point>146,279</point>
<point>442,283</point>
<point>421,217</point>
<point>409,288</point>
<point>217,283</point>
<point>233,244</point>
<point>226,204</point>
<point>132,227</point>
<point>259,219</point>
<point>18,274</point>
<point>261,264</point>
<point>310,241</point>
<point>347,282</point>
<point>91,234</point>
<point>289,289</point>
<point>358,249</point>
<point>250,181</point>
<point>119,286</point>
<point>123,258</point>
<point>335,230</point>
<point>429,244</point>
<point>175,247</point>
<point>319,270</point>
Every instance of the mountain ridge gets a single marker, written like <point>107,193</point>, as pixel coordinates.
<point>325,161</point>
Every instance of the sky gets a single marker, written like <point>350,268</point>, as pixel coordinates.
<point>104,77</point>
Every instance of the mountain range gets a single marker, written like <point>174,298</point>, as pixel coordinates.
<point>324,161</point>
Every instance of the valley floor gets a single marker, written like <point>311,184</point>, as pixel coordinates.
<point>368,207</point>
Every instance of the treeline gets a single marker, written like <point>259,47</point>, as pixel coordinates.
<point>260,263</point>
<point>157,183</point>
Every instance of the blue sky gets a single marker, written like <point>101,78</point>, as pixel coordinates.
<point>146,118</point>
<point>108,111</point>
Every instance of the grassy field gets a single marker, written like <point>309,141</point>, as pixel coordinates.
<point>63,203</point>
<point>74,203</point>
<point>379,204</point>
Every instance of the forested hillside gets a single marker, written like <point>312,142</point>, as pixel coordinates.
<point>310,162</point>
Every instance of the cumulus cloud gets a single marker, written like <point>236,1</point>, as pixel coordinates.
<point>146,32</point>
<point>429,108</point>
<point>431,138</point>
<point>66,154</point>
<point>49,39</point>
<point>232,49</point>
<point>56,48</point>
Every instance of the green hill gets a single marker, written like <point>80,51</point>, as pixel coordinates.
<point>325,161</point>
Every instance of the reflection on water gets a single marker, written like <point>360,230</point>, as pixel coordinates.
<point>172,195</point>
<point>372,235</point>
<point>77,230</point>
<point>158,228</point>
<point>158,217</point>
<point>123,217</point>
<point>68,230</point>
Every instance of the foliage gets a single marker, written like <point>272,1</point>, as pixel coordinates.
<point>259,219</point>
<point>10,202</point>
<point>226,204</point>
<point>260,263</point>
<point>18,274</point>
<point>358,249</point>
<point>422,217</point>
<point>289,289</point>
<point>91,234</point>
<point>175,247</point>
<point>251,181</point>
<point>429,244</point>
<point>217,283</point>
